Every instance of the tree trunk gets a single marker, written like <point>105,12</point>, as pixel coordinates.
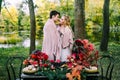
<point>32,24</point>
<point>0,6</point>
<point>79,28</point>
<point>19,25</point>
<point>105,32</point>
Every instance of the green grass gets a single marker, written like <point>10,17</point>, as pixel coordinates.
<point>113,49</point>
<point>7,52</point>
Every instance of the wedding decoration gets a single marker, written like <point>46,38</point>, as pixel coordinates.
<point>29,69</point>
<point>83,59</point>
<point>37,58</point>
<point>84,53</point>
<point>84,56</point>
<point>45,67</point>
<point>91,69</point>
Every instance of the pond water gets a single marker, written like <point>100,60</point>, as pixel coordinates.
<point>25,43</point>
<point>6,45</point>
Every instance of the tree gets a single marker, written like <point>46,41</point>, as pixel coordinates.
<point>0,5</point>
<point>105,32</point>
<point>32,25</point>
<point>79,19</point>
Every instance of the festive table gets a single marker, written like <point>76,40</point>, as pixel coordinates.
<point>90,76</point>
<point>33,77</point>
<point>83,56</point>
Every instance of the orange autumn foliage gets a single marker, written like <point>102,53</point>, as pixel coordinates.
<point>75,73</point>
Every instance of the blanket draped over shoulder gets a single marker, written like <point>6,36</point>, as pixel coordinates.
<point>51,40</point>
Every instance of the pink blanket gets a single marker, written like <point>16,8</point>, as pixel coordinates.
<point>51,40</point>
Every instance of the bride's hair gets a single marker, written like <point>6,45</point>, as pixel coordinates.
<point>67,19</point>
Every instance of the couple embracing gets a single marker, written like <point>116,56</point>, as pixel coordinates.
<point>57,37</point>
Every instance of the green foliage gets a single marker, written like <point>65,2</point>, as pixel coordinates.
<point>14,40</point>
<point>114,13</point>
<point>39,27</point>
<point>53,74</point>
<point>67,7</point>
<point>10,39</point>
<point>93,30</point>
<point>93,13</point>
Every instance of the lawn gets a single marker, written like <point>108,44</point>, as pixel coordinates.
<point>113,49</point>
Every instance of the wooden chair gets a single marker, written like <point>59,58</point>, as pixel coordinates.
<point>106,65</point>
<point>14,66</point>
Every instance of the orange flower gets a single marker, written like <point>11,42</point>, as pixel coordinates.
<point>25,62</point>
<point>68,75</point>
<point>75,73</point>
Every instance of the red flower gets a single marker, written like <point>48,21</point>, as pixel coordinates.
<point>78,42</point>
<point>33,56</point>
<point>85,41</point>
<point>45,57</point>
<point>52,61</point>
<point>90,47</point>
<point>81,56</point>
<point>39,57</point>
<point>35,63</point>
<point>96,55</point>
<point>45,65</point>
<point>73,55</point>
<point>70,64</point>
<point>31,61</point>
<point>58,61</point>
<point>85,53</point>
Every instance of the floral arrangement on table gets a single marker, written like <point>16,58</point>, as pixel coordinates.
<point>39,64</point>
<point>83,57</point>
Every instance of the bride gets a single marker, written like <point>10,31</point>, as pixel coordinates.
<point>66,37</point>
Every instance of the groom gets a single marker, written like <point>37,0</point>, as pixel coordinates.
<point>51,38</point>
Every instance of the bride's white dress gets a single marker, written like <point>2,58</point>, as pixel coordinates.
<point>65,53</point>
<point>66,43</point>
